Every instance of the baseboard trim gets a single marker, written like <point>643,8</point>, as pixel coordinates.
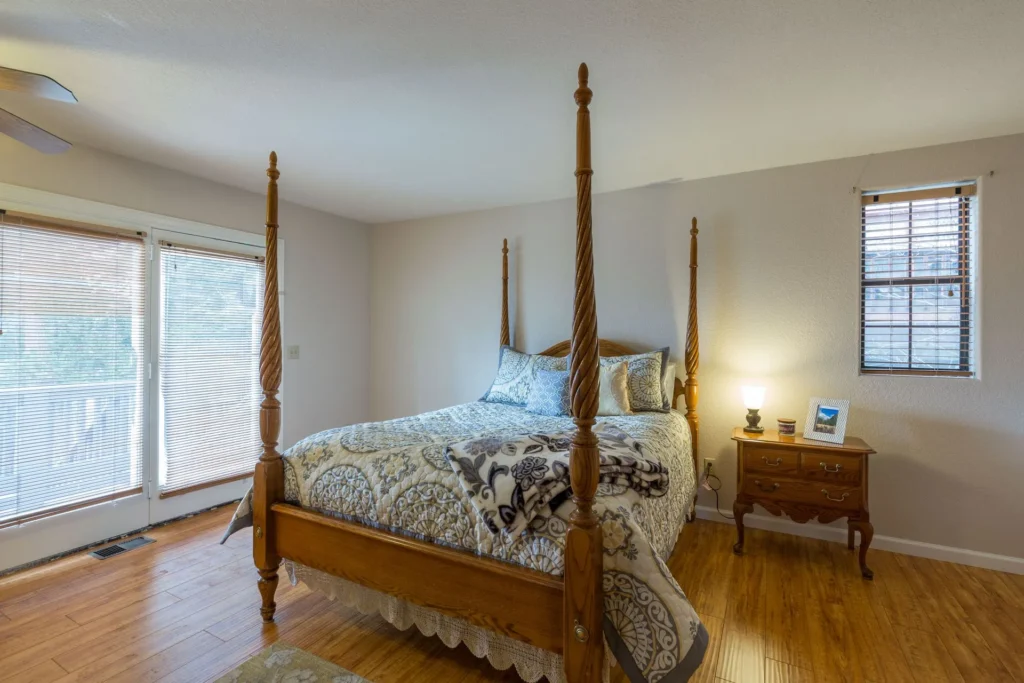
<point>971,558</point>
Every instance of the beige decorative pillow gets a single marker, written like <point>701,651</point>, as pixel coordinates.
<point>613,398</point>
<point>669,385</point>
<point>646,376</point>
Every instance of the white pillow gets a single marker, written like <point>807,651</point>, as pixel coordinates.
<point>613,398</point>
<point>670,385</point>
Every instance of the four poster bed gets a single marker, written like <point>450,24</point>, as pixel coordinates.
<point>538,597</point>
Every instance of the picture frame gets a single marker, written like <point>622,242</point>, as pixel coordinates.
<point>826,419</point>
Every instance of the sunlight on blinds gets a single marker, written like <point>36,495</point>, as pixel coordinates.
<point>212,310</point>
<point>917,282</point>
<point>71,368</point>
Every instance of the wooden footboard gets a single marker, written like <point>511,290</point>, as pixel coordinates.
<point>514,601</point>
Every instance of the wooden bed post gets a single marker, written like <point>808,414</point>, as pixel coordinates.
<point>268,482</point>
<point>692,359</point>
<point>505,338</point>
<point>583,648</point>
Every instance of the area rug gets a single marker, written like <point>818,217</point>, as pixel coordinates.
<point>281,663</point>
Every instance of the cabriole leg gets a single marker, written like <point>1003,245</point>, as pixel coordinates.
<point>739,509</point>
<point>867,532</point>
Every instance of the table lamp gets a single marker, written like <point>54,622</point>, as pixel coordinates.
<point>753,400</point>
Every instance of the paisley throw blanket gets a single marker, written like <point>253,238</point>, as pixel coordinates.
<point>394,475</point>
<point>510,480</point>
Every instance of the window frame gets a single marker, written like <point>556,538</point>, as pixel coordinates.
<point>184,501</point>
<point>967,277</point>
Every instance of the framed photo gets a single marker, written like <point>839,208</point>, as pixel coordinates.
<point>826,419</point>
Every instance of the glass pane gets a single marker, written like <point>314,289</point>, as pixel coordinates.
<point>936,348</point>
<point>937,304</point>
<point>886,243</point>
<point>209,366</point>
<point>887,220</point>
<point>886,346</point>
<point>886,259</point>
<point>886,305</point>
<point>936,216</point>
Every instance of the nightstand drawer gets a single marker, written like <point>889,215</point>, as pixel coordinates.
<point>774,460</point>
<point>817,493</point>
<point>828,467</point>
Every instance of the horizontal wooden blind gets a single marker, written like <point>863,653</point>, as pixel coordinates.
<point>72,312</point>
<point>917,282</point>
<point>212,311</point>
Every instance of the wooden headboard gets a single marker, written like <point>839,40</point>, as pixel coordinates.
<point>608,348</point>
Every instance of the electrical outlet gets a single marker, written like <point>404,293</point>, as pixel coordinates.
<point>709,466</point>
<point>293,353</point>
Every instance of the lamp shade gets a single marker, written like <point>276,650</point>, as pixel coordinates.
<point>753,397</point>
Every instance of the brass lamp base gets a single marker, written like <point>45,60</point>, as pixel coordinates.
<point>753,420</point>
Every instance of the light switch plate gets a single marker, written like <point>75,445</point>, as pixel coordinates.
<point>293,352</point>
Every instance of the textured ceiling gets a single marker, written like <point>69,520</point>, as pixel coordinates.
<point>383,110</point>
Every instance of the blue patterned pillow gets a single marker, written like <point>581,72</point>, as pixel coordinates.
<point>515,375</point>
<point>549,394</point>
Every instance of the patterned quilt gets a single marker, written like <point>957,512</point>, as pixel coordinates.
<point>394,475</point>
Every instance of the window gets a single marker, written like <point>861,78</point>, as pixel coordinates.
<point>211,319</point>
<point>72,312</point>
<point>917,281</point>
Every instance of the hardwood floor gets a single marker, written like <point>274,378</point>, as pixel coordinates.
<point>792,610</point>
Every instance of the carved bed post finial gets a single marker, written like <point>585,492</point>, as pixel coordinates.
<point>505,338</point>
<point>692,357</point>
<point>268,480</point>
<point>584,599</point>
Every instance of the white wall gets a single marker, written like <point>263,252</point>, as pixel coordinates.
<point>778,305</point>
<point>326,269</point>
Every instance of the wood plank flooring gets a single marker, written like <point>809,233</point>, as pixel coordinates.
<point>792,610</point>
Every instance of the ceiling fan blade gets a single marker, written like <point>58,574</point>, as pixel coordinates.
<point>34,84</point>
<point>33,136</point>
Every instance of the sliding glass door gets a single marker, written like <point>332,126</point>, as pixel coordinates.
<point>72,349</point>
<point>129,378</point>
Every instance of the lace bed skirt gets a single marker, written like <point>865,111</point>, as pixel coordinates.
<point>501,651</point>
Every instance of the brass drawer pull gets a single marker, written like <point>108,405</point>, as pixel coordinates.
<point>768,489</point>
<point>778,461</point>
<point>828,469</point>
<point>836,500</point>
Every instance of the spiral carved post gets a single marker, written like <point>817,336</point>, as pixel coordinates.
<point>692,359</point>
<point>584,597</point>
<point>505,338</point>
<point>268,481</point>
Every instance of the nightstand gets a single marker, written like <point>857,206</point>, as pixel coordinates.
<point>804,479</point>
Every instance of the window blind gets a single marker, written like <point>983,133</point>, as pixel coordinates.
<point>212,313</point>
<point>917,282</point>
<point>72,306</point>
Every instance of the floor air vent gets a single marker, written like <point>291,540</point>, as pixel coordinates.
<point>122,547</point>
